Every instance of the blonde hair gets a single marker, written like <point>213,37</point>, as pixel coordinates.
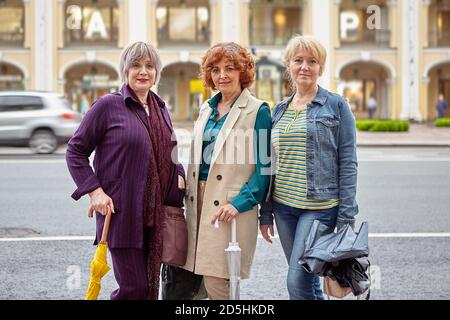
<point>135,52</point>
<point>309,44</point>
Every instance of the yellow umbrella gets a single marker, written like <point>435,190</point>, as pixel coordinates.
<point>99,265</point>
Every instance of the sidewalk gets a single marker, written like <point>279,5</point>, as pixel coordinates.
<point>419,135</point>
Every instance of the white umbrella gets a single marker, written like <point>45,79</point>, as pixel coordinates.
<point>233,253</point>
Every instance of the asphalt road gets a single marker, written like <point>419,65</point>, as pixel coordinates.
<point>404,193</point>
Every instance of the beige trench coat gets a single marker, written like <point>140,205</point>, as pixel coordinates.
<point>232,165</point>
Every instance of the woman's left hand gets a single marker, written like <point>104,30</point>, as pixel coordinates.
<point>226,213</point>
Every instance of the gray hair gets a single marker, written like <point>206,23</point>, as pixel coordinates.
<point>135,52</point>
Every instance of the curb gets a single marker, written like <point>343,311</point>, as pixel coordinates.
<point>404,144</point>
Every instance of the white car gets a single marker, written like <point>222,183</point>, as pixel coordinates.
<point>41,120</point>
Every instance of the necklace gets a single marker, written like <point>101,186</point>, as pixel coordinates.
<point>145,105</point>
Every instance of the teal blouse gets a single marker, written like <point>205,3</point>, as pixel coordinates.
<point>252,192</point>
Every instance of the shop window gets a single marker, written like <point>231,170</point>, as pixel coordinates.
<point>354,28</point>
<point>180,25</point>
<point>12,23</point>
<point>92,23</point>
<point>273,23</point>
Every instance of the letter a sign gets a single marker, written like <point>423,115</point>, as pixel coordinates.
<point>96,25</point>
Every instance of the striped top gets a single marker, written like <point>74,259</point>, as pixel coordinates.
<point>289,141</point>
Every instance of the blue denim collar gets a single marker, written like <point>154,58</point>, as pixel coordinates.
<point>320,98</point>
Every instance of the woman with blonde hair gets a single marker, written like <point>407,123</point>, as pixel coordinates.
<point>314,163</point>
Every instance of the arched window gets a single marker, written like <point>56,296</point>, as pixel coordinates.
<point>12,23</point>
<point>91,22</point>
<point>11,78</point>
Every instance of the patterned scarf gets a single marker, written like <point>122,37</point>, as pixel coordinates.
<point>158,182</point>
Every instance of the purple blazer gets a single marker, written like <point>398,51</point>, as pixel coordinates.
<point>121,164</point>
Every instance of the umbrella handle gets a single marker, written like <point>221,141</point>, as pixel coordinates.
<point>106,226</point>
<point>233,230</point>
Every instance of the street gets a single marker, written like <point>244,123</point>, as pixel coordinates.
<point>404,193</point>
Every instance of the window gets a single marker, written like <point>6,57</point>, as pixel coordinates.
<point>20,103</point>
<point>273,23</point>
<point>183,25</point>
<point>12,23</point>
<point>439,23</point>
<point>353,29</point>
<point>92,23</point>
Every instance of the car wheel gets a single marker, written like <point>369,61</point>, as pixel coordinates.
<point>43,141</point>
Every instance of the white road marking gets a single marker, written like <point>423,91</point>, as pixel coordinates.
<point>411,235</point>
<point>31,161</point>
<point>371,235</point>
<point>365,159</point>
<point>59,238</point>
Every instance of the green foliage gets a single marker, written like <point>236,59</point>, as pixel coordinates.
<point>443,122</point>
<point>382,125</point>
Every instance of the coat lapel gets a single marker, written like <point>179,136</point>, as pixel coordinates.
<point>227,127</point>
<point>199,128</point>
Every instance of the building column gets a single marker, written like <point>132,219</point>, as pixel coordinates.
<point>424,86</point>
<point>214,21</point>
<point>230,20</point>
<point>321,30</point>
<point>393,21</point>
<point>336,16</point>
<point>245,17</point>
<point>392,98</point>
<point>137,21</point>
<point>410,61</point>
<point>43,45</point>
<point>153,36</point>
<point>123,19</point>
<point>60,23</point>
<point>425,22</point>
<point>28,24</point>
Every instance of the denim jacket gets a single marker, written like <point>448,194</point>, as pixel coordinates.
<point>331,163</point>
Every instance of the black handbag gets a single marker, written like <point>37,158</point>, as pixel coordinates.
<point>181,284</point>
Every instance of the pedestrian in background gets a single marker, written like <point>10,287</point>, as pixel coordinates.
<point>134,174</point>
<point>314,163</point>
<point>220,187</point>
<point>441,106</point>
<point>371,107</point>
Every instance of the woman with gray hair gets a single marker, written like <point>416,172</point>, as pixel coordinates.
<point>134,174</point>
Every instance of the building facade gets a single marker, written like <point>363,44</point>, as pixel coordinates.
<point>396,51</point>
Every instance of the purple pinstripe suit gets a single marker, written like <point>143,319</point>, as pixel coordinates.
<point>121,166</point>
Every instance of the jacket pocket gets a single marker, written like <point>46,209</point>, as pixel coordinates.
<point>113,189</point>
<point>328,120</point>
<point>327,129</point>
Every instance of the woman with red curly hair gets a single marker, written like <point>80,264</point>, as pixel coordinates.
<point>228,173</point>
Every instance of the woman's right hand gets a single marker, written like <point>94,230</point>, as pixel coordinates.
<point>265,228</point>
<point>100,203</point>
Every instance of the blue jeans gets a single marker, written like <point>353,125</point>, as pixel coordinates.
<point>293,227</point>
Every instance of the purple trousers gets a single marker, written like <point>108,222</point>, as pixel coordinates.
<point>130,271</point>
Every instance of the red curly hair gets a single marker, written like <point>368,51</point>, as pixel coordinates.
<point>241,58</point>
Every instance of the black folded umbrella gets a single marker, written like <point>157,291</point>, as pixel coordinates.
<point>350,273</point>
<point>341,255</point>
